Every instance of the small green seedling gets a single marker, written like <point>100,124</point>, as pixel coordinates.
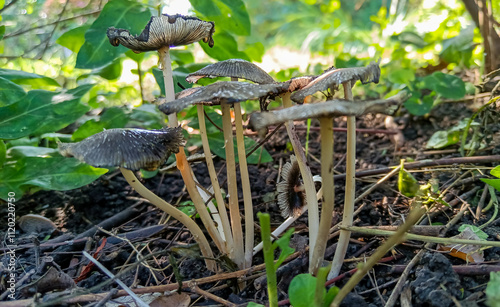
<point>493,290</point>
<point>308,291</point>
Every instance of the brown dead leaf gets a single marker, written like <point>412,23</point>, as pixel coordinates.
<point>175,299</point>
<point>468,252</point>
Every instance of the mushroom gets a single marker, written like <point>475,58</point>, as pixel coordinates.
<point>132,149</point>
<point>233,68</point>
<point>225,93</point>
<point>291,199</point>
<point>160,34</point>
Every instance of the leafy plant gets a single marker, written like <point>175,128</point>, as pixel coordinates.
<point>493,290</point>
<point>306,290</point>
<point>494,182</point>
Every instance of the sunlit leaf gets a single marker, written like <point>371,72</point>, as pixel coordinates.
<point>10,92</point>
<point>448,86</point>
<point>22,77</point>
<point>56,173</point>
<point>31,151</point>
<point>228,15</point>
<point>74,38</point>
<point>401,76</point>
<point>495,183</point>
<point>407,184</point>
<point>111,118</point>
<point>124,14</point>
<point>417,105</point>
<point>147,116</point>
<point>42,111</point>
<point>225,48</point>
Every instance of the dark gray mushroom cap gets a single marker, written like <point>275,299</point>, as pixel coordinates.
<point>164,31</point>
<point>235,68</point>
<point>132,149</point>
<point>290,200</point>
<point>335,77</point>
<point>221,92</point>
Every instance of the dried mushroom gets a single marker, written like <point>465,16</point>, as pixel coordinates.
<point>164,31</point>
<point>132,149</point>
<point>226,92</point>
<point>335,77</point>
<point>234,68</point>
<point>291,198</point>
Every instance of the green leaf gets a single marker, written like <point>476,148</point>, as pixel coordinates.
<point>401,76</point>
<point>74,38</point>
<point>496,171</point>
<point>229,15</point>
<point>330,296</point>
<point>481,234</point>
<point>448,86</point>
<point>42,111</point>
<point>495,183</point>
<point>111,118</point>
<point>147,116</point>
<point>112,71</point>
<point>407,184</point>
<point>181,57</point>
<point>56,173</point>
<point>179,76</point>
<point>284,244</point>
<point>31,151</point>
<point>217,144</point>
<point>493,290</point>
<point>419,106</point>
<point>22,77</point>
<point>124,14</point>
<point>2,31</point>
<point>3,153</point>
<point>252,304</point>
<point>443,138</point>
<point>225,48</point>
<point>255,51</point>
<point>10,92</point>
<point>302,290</point>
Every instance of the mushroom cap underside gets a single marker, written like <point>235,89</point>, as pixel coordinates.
<point>128,148</point>
<point>164,31</point>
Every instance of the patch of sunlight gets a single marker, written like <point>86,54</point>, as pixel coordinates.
<point>176,7</point>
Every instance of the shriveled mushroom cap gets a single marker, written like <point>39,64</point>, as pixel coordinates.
<point>370,73</point>
<point>290,200</point>
<point>299,83</point>
<point>235,68</point>
<point>164,31</point>
<point>221,92</point>
<point>132,149</point>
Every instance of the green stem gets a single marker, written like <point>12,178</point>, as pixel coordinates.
<point>310,190</point>
<point>399,236</point>
<point>326,126</point>
<point>234,209</point>
<point>265,230</point>
<point>215,181</point>
<point>198,235</point>
<point>245,186</point>
<point>350,190</point>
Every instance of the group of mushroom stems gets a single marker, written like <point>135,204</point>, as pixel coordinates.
<point>149,149</point>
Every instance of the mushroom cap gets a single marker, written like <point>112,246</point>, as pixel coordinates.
<point>298,83</point>
<point>235,68</point>
<point>290,200</point>
<point>335,77</point>
<point>132,149</point>
<point>221,92</point>
<point>164,31</point>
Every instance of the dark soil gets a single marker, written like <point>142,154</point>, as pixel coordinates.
<point>432,282</point>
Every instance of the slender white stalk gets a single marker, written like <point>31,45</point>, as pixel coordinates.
<point>168,81</point>
<point>310,190</point>
<point>245,186</point>
<point>350,190</point>
<point>215,182</point>
<point>198,235</point>
<point>232,187</point>
<point>326,129</point>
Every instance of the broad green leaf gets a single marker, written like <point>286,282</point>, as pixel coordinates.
<point>302,290</point>
<point>136,57</point>
<point>481,234</point>
<point>401,76</point>
<point>495,183</point>
<point>2,31</point>
<point>493,290</point>
<point>217,146</point>
<point>147,116</point>
<point>330,296</point>
<point>3,153</point>
<point>228,15</point>
<point>407,184</point>
<point>179,76</point>
<point>448,86</point>
<point>441,139</point>
<point>56,173</point>
<point>111,118</point>
<point>41,112</point>
<point>419,106</point>
<point>30,151</point>
<point>284,244</point>
<point>255,51</point>
<point>74,38</point>
<point>496,171</point>
<point>10,92</point>
<point>410,38</point>
<point>252,304</point>
<point>112,71</point>
<point>225,48</point>
<point>181,57</point>
<point>125,14</point>
<point>22,77</point>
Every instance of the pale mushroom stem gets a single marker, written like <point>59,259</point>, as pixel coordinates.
<point>182,163</point>
<point>245,186</point>
<point>310,190</point>
<point>350,189</point>
<point>215,182</point>
<point>232,187</point>
<point>326,130</point>
<point>198,235</point>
